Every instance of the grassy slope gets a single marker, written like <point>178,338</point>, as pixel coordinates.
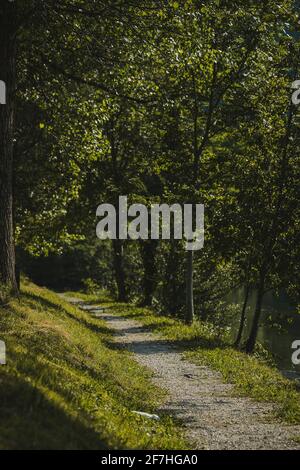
<point>251,375</point>
<point>65,386</point>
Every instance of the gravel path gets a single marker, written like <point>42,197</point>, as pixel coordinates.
<point>212,417</point>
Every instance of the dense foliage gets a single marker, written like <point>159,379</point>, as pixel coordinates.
<point>162,101</point>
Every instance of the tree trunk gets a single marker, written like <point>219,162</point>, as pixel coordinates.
<point>119,270</point>
<point>8,76</point>
<point>255,324</point>
<point>243,317</point>
<point>189,318</point>
<point>148,250</point>
<point>172,291</point>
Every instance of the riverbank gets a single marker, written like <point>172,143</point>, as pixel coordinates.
<point>211,414</point>
<point>252,376</point>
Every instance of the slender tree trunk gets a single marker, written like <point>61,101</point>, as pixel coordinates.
<point>8,76</point>
<point>189,288</point>
<point>198,150</point>
<point>170,294</point>
<point>119,270</point>
<point>148,251</point>
<point>243,317</point>
<point>255,324</point>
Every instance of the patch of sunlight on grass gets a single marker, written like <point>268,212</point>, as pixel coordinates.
<point>66,386</point>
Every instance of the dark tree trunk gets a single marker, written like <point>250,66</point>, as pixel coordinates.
<point>255,324</point>
<point>148,251</point>
<point>172,290</point>
<point>119,270</point>
<point>18,277</point>
<point>189,318</point>
<point>8,76</point>
<point>243,317</point>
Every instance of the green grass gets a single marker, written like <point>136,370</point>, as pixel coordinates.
<point>252,376</point>
<point>66,386</point>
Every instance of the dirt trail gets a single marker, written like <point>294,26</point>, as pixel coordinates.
<point>212,417</point>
